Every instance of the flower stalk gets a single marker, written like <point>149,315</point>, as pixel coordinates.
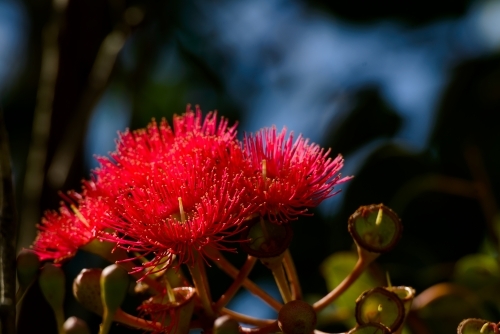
<point>364,260</point>
<point>52,284</point>
<point>246,319</point>
<point>237,283</point>
<point>221,262</point>
<point>275,264</point>
<point>293,278</point>
<point>198,274</point>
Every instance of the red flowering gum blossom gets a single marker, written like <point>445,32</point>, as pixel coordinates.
<point>155,141</point>
<point>187,208</point>
<point>288,177</point>
<point>191,124</point>
<point>138,150</point>
<point>184,196</point>
<point>60,234</point>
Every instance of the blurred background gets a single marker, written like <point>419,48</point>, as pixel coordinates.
<point>408,92</point>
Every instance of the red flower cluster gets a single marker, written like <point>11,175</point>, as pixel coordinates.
<point>62,233</point>
<point>183,190</point>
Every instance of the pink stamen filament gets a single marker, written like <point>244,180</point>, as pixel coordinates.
<point>264,171</point>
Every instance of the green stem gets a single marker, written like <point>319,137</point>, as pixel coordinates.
<point>135,322</point>
<point>291,273</point>
<point>107,320</point>
<point>200,281</point>
<point>60,321</point>
<point>282,282</point>
<point>364,260</point>
<point>275,264</point>
<point>237,283</point>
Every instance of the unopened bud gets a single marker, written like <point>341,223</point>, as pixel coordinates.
<point>114,283</point>
<point>52,284</point>
<point>264,239</point>
<point>87,289</point>
<point>74,325</point>
<point>297,317</point>
<point>226,325</point>
<point>28,265</point>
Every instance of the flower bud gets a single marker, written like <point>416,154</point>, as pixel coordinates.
<point>226,325</point>
<point>74,325</point>
<point>28,265</point>
<point>52,284</point>
<point>87,289</point>
<point>297,317</point>
<point>114,283</point>
<point>265,239</point>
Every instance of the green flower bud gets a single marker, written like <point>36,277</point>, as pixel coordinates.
<point>297,317</point>
<point>87,289</point>
<point>114,283</point>
<point>28,265</point>
<point>265,239</point>
<point>52,284</point>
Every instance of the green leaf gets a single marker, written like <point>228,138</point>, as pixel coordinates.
<point>477,271</point>
<point>334,269</point>
<point>480,273</point>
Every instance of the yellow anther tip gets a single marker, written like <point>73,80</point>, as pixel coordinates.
<point>379,217</point>
<point>485,326</point>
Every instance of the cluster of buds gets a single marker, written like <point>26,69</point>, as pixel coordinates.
<point>184,196</point>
